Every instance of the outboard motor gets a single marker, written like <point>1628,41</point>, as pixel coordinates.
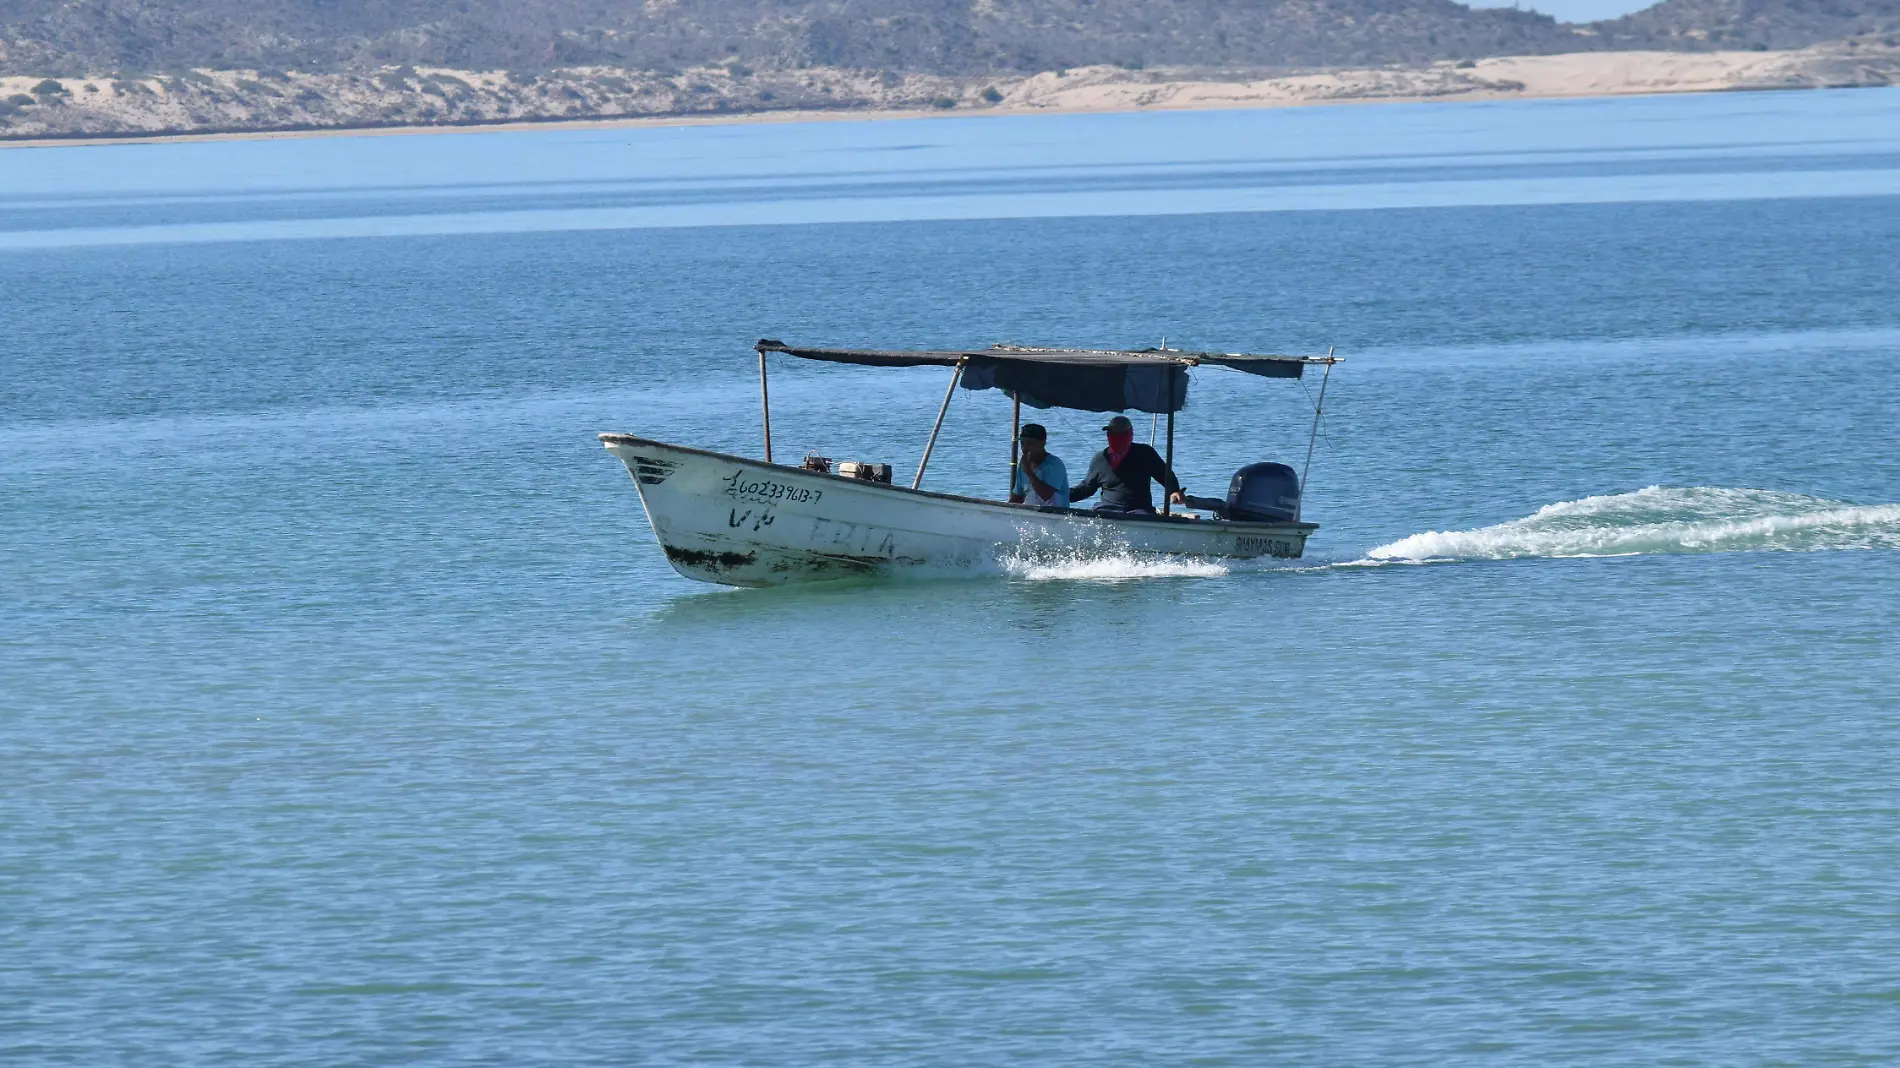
<point>1264,493</point>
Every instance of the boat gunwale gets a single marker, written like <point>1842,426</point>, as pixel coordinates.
<point>616,438</point>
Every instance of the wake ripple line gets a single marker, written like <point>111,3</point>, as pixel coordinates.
<point>1662,519</point>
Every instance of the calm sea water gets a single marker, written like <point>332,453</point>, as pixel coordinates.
<point>349,713</point>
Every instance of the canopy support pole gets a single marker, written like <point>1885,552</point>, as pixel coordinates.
<point>1318,408</point>
<point>947,394</point>
<point>1167,499</point>
<point>765,407</point>
<point>1015,431</point>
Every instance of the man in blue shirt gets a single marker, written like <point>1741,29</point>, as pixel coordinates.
<point>1041,480</point>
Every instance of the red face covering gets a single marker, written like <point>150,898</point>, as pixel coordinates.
<point>1118,446</point>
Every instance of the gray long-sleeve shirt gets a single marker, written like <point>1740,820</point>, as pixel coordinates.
<point>1125,488</point>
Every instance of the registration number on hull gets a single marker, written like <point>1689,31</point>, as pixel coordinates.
<point>766,491</point>
<point>1265,546</point>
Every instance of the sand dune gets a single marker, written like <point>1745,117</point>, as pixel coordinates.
<point>1578,74</point>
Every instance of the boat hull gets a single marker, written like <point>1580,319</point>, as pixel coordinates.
<point>741,522</point>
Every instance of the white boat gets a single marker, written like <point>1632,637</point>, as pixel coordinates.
<point>740,521</point>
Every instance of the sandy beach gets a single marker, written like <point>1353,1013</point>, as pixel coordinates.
<point>214,105</point>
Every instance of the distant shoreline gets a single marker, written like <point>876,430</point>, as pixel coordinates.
<point>748,118</point>
<point>1112,90</point>
<point>577,122</point>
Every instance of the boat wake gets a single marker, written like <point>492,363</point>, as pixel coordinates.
<point>1102,558</point>
<point>1661,519</point>
<point>1113,567</point>
<point>1655,520</point>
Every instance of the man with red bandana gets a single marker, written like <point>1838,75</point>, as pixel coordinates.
<point>1122,473</point>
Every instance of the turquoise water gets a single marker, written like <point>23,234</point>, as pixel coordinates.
<point>349,713</point>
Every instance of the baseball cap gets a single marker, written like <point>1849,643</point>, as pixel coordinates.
<point>1121,423</point>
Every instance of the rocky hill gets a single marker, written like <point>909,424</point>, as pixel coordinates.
<point>101,67</point>
<point>941,37</point>
<point>945,37</point>
<point>1766,24</point>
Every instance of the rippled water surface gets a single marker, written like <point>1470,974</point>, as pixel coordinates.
<point>350,714</point>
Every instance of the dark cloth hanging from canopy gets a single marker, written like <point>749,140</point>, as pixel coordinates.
<point>1084,379</point>
<point>1107,388</point>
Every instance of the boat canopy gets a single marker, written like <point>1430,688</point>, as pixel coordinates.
<point>1091,380</point>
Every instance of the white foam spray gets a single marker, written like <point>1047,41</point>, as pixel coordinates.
<point>1116,568</point>
<point>1662,519</point>
<point>1103,557</point>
